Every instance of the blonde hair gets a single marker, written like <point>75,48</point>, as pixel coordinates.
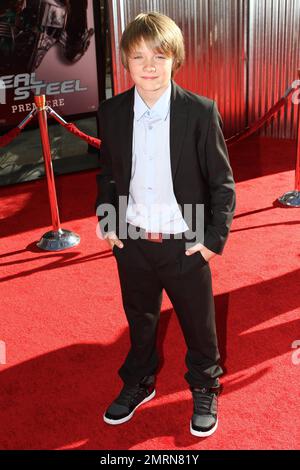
<point>159,32</point>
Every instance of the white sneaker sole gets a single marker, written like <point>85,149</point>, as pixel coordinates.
<point>204,433</point>
<point>127,418</point>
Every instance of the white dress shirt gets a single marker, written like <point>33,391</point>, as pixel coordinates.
<point>152,204</point>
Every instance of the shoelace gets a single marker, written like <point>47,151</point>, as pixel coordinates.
<point>130,393</point>
<point>203,402</point>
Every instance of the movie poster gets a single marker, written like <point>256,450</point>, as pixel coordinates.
<point>47,47</point>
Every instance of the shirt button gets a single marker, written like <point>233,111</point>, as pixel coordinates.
<point>150,127</point>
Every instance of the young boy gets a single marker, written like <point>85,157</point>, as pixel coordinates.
<point>163,150</point>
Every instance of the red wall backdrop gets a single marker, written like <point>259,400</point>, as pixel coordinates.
<point>242,53</point>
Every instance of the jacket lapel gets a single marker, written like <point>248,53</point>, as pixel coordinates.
<point>124,133</point>
<point>178,126</point>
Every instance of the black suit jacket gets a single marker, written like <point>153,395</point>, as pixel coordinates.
<point>200,166</point>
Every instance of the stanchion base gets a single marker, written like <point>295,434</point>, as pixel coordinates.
<point>292,198</point>
<point>58,240</point>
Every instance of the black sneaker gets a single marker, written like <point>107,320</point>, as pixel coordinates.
<point>130,398</point>
<point>204,421</point>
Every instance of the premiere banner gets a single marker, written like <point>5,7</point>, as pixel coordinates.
<point>47,47</point>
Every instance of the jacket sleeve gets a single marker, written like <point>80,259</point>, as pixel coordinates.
<point>220,183</point>
<point>106,186</point>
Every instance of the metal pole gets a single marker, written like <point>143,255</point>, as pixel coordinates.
<point>56,116</point>
<point>297,171</point>
<point>58,238</point>
<point>292,198</point>
<point>27,120</point>
<point>40,102</point>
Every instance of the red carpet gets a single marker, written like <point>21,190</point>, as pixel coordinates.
<point>65,331</point>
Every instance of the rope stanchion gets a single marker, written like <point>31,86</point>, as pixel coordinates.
<point>58,238</point>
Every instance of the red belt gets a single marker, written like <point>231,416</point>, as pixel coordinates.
<point>153,237</point>
<point>156,237</point>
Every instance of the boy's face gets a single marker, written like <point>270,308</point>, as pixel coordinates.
<point>151,71</point>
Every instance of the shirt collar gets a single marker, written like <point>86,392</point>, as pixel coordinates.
<point>161,107</point>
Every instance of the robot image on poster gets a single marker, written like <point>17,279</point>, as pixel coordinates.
<point>29,28</point>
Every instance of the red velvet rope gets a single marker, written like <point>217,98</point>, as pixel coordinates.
<point>90,140</point>
<point>9,137</point>
<point>260,122</point>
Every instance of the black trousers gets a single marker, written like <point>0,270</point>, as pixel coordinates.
<point>146,268</point>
